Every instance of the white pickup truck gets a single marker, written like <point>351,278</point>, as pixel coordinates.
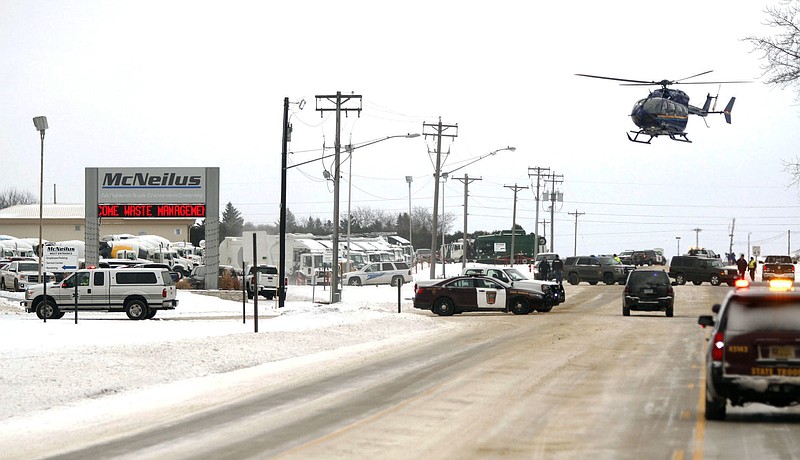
<point>139,292</point>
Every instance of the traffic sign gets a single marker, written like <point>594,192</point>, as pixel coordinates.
<point>61,258</point>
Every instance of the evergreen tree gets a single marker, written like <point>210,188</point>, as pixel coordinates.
<point>232,222</point>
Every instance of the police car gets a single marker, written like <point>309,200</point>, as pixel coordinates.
<point>753,355</point>
<point>379,273</point>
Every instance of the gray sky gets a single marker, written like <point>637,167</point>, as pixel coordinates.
<point>202,84</point>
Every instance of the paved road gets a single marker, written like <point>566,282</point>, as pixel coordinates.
<point>579,382</point>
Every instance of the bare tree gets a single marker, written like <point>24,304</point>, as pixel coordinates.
<point>782,55</point>
<point>12,197</point>
<point>781,51</point>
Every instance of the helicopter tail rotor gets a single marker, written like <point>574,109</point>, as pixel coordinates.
<point>728,109</point>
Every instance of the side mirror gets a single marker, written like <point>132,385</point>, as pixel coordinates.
<point>715,308</point>
<point>706,320</point>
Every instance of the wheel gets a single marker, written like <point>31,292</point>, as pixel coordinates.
<point>626,310</point>
<point>249,294</point>
<point>49,310</point>
<point>715,408</point>
<point>593,283</point>
<point>354,281</point>
<point>697,283</point>
<point>548,306</point>
<point>59,315</point>
<point>136,309</point>
<point>608,278</point>
<point>520,307</point>
<point>444,307</point>
<point>573,278</point>
<point>397,281</point>
<point>715,280</point>
<point>669,311</point>
<point>151,313</point>
<point>680,279</point>
<point>269,295</point>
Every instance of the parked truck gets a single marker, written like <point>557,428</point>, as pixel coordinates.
<point>777,267</point>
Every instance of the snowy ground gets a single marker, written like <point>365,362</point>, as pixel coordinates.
<point>44,366</point>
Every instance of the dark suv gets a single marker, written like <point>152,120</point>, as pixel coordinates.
<point>701,269</point>
<point>648,290</point>
<point>754,351</point>
<point>647,257</point>
<point>594,269</point>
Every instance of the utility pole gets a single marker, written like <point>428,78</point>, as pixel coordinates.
<point>697,237</point>
<point>438,131</point>
<point>575,244</point>
<point>539,172</point>
<point>553,178</point>
<point>789,244</point>
<point>730,246</point>
<point>466,180</point>
<point>515,188</point>
<point>338,101</point>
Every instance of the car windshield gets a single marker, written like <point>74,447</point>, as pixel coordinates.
<point>715,263</point>
<point>28,267</point>
<point>515,274</point>
<point>763,315</point>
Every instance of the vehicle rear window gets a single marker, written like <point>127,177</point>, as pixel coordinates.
<point>778,260</point>
<point>641,277</point>
<point>401,265</point>
<point>763,315</point>
<point>134,277</point>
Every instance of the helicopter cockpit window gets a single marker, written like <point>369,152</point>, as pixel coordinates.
<point>682,110</point>
<point>653,105</point>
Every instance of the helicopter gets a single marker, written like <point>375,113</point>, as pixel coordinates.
<point>665,112</point>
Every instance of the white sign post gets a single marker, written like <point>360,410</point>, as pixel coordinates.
<point>60,258</point>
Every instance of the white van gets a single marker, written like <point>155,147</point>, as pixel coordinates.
<point>139,292</point>
<point>380,273</point>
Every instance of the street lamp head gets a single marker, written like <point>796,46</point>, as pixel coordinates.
<point>40,123</point>
<point>411,135</point>
<point>409,179</point>
<point>513,149</point>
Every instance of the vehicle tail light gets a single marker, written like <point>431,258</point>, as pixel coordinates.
<point>626,289</point>
<point>164,293</point>
<point>671,291</point>
<point>718,346</point>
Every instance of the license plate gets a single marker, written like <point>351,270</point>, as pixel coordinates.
<point>648,291</point>
<point>781,352</point>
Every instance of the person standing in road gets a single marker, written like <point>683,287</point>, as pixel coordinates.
<point>544,269</point>
<point>558,269</point>
<point>741,264</point>
<point>752,267</point>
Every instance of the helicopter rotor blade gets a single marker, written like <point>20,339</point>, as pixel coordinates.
<point>711,82</point>
<point>701,73</point>
<point>641,82</point>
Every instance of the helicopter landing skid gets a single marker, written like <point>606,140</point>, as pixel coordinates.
<point>636,137</point>
<point>680,137</point>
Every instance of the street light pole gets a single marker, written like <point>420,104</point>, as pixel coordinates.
<point>441,250</point>
<point>678,238</point>
<point>409,179</point>
<point>41,125</point>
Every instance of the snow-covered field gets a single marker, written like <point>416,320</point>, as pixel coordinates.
<point>46,367</point>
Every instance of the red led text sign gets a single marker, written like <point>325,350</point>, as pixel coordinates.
<point>151,210</point>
